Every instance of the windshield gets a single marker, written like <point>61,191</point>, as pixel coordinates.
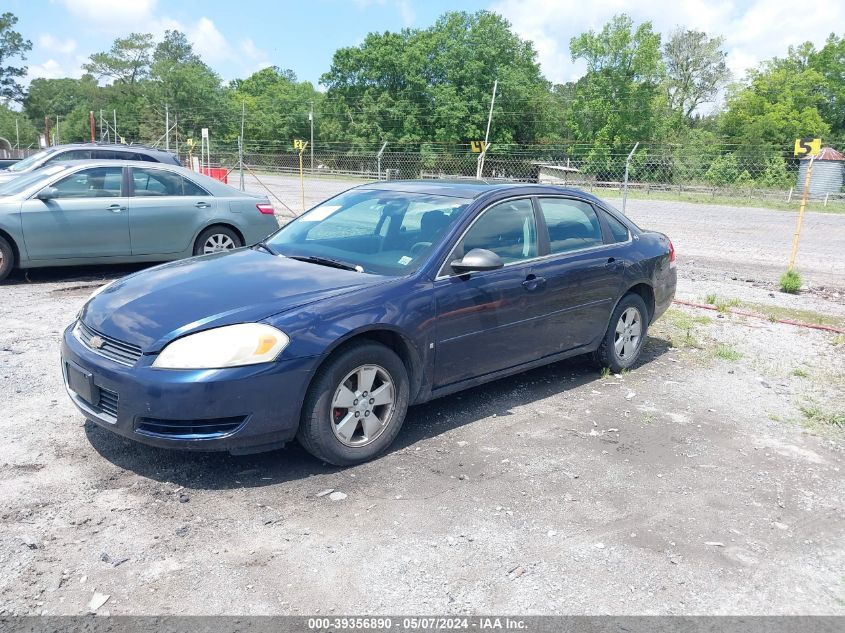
<point>23,182</point>
<point>380,232</point>
<point>26,163</point>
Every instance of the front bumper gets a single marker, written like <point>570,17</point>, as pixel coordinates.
<point>241,409</point>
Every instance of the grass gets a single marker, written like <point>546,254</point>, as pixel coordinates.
<point>800,373</point>
<point>837,340</point>
<point>726,352</point>
<point>605,372</point>
<point>790,282</point>
<point>682,327</point>
<point>776,313</point>
<point>819,419</point>
<point>735,201</point>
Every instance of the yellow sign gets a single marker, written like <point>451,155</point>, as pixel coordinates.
<point>299,144</point>
<point>478,146</point>
<point>808,146</point>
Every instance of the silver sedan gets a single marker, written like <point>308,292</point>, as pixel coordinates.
<point>95,212</point>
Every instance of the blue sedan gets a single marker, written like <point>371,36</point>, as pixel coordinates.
<point>385,296</point>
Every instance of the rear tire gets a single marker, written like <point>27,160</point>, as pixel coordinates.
<point>7,258</point>
<point>356,405</point>
<point>626,333</point>
<point>216,239</point>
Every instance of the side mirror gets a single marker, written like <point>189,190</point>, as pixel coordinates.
<point>47,193</point>
<point>477,260</point>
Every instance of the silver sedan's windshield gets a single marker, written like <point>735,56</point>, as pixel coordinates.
<point>381,232</point>
<point>25,181</point>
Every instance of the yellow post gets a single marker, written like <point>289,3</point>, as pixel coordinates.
<point>801,209</point>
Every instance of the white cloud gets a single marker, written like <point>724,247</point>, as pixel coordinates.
<point>56,45</point>
<point>53,69</point>
<point>753,31</point>
<point>209,43</point>
<point>120,15</point>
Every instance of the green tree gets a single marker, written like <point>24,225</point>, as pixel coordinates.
<point>25,131</point>
<point>127,62</point>
<point>618,101</point>
<point>434,84</point>
<point>12,45</point>
<point>830,63</point>
<point>695,71</point>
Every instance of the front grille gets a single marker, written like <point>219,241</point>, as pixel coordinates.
<point>189,429</point>
<point>118,351</point>
<point>107,402</point>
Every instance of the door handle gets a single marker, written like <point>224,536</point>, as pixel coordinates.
<point>116,208</point>
<point>532,282</point>
<point>202,205</point>
<point>614,264</point>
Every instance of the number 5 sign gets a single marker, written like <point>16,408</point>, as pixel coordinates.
<point>807,146</point>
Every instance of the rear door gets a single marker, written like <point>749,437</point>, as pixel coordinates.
<point>488,321</point>
<point>583,273</point>
<point>87,218</point>
<point>165,211</point>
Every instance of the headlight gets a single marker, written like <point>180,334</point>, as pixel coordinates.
<point>228,346</point>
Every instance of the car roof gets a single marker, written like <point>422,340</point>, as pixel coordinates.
<point>469,188</point>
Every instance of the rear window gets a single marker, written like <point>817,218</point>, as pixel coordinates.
<point>573,224</point>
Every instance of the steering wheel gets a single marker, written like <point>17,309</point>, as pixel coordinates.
<point>419,247</point>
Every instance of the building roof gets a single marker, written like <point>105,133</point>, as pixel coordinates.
<point>827,153</point>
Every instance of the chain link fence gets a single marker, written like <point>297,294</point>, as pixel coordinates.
<point>737,175</point>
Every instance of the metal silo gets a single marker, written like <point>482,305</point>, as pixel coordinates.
<point>827,173</point>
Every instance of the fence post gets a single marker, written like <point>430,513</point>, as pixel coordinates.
<point>378,159</point>
<point>625,185</point>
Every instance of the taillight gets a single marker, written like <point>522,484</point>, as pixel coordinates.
<point>266,209</point>
<point>671,254</point>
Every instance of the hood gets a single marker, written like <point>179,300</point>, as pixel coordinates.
<point>152,307</point>
<point>6,175</point>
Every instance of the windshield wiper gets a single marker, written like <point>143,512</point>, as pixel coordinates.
<point>265,246</point>
<point>326,261</point>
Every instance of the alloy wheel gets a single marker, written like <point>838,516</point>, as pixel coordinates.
<point>363,405</point>
<point>218,242</point>
<point>628,334</point>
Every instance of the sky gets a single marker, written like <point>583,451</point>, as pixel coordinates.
<point>238,38</point>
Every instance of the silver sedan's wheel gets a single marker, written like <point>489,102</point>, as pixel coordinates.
<point>628,334</point>
<point>363,405</point>
<point>218,242</point>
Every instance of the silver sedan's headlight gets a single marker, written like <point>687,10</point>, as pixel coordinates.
<point>227,346</point>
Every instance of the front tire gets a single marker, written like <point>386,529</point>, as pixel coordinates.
<point>216,239</point>
<point>623,342</point>
<point>356,405</point>
<point>7,258</point>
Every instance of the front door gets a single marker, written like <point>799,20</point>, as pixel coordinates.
<point>86,217</point>
<point>488,321</point>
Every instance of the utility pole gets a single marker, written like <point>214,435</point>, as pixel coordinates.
<point>91,123</point>
<point>311,119</point>
<point>114,112</point>
<point>166,128</point>
<point>58,136</point>
<point>101,125</point>
<point>480,170</point>
<point>17,135</point>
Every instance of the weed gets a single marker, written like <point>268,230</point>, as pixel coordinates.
<point>711,298</point>
<point>726,352</point>
<point>800,373</point>
<point>790,282</point>
<point>605,372</point>
<point>823,419</point>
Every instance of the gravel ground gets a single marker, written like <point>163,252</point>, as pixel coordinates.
<point>708,480</point>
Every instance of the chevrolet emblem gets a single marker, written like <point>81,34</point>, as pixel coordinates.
<point>96,342</point>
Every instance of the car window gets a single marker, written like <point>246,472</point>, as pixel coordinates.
<point>96,182</point>
<point>158,182</point>
<point>72,154</point>
<point>573,224</point>
<point>382,232</point>
<point>508,229</point>
<point>105,154</point>
<point>617,229</point>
